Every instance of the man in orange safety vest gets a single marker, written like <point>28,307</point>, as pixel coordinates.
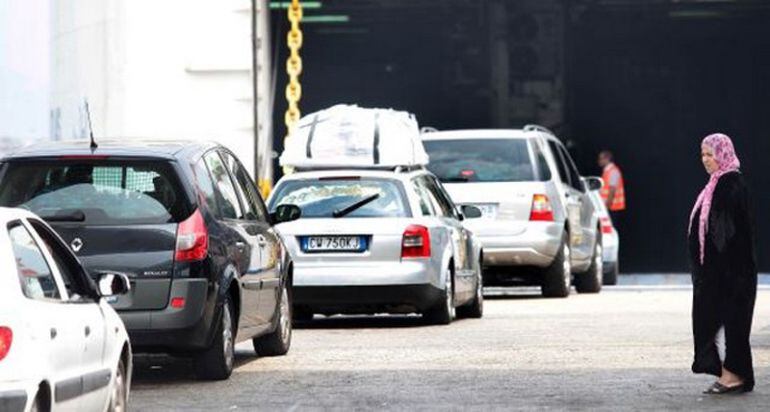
<point>613,192</point>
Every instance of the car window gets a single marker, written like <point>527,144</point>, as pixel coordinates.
<point>543,171</point>
<point>247,190</point>
<point>104,191</point>
<point>427,186</point>
<point>426,205</point>
<point>205,187</point>
<point>319,198</point>
<point>564,175</point>
<point>227,197</point>
<point>480,160</point>
<point>445,202</point>
<point>73,275</point>
<point>35,276</point>
<point>574,175</point>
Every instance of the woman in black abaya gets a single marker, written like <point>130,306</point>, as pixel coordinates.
<point>724,274</point>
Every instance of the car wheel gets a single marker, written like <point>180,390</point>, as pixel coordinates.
<point>444,311</point>
<point>557,278</point>
<point>591,280</point>
<point>216,362</point>
<point>611,274</point>
<point>277,342</point>
<point>119,392</point>
<point>40,404</point>
<point>475,309</point>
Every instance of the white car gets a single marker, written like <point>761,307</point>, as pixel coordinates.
<point>62,346</point>
<point>379,241</point>
<point>610,237</point>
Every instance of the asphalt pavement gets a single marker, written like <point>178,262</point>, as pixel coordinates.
<point>624,349</point>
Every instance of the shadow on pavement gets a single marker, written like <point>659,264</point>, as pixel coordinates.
<point>158,369</point>
<point>363,322</point>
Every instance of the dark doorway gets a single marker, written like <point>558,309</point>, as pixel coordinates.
<point>649,83</point>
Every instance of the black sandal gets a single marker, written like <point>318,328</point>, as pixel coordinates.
<point>719,389</point>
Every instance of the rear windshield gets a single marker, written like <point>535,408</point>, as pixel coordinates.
<point>321,198</point>
<point>481,160</point>
<point>95,192</point>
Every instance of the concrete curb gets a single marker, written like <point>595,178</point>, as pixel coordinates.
<point>667,279</point>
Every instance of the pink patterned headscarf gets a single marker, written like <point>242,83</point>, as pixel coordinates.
<point>724,154</point>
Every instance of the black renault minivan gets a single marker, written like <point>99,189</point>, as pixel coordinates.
<point>187,225</point>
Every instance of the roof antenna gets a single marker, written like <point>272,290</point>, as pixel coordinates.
<point>94,146</point>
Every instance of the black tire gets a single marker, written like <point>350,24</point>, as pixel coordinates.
<point>611,274</point>
<point>444,311</point>
<point>277,342</point>
<point>216,362</point>
<point>557,278</point>
<point>301,314</point>
<point>119,390</point>
<point>41,402</point>
<point>474,309</point>
<point>591,280</point>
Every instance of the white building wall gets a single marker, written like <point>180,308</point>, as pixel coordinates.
<point>155,69</point>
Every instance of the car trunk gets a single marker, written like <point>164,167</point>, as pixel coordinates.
<point>505,206</point>
<point>383,237</point>
<point>145,253</point>
<point>115,213</point>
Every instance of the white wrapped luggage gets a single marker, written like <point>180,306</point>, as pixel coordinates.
<point>351,136</point>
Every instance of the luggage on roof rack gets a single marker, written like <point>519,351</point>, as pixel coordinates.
<point>357,137</point>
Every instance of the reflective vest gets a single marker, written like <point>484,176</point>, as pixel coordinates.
<point>619,200</point>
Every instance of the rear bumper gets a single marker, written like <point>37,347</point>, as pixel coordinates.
<point>341,273</point>
<point>367,299</point>
<point>13,398</point>
<point>174,329</point>
<point>536,246</point>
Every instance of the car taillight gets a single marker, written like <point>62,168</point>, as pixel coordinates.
<point>416,242</point>
<point>6,338</point>
<point>192,239</point>
<point>606,225</point>
<point>541,209</point>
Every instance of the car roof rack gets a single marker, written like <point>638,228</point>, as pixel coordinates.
<point>409,168</point>
<point>538,128</point>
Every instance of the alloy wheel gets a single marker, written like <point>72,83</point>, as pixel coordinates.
<point>567,267</point>
<point>285,316</point>
<point>227,336</point>
<point>450,298</point>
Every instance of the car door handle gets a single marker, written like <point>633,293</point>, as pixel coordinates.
<point>54,332</point>
<point>88,331</point>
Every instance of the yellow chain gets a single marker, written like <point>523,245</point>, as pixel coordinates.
<point>293,66</point>
<point>293,93</point>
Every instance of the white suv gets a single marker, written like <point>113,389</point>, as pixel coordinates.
<point>538,224</point>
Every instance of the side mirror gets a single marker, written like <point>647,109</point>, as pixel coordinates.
<point>471,212</point>
<point>593,182</point>
<point>113,284</point>
<point>285,213</point>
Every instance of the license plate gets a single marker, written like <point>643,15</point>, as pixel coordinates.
<point>488,210</point>
<point>334,244</point>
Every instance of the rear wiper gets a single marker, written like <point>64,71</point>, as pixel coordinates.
<point>73,216</point>
<point>455,179</point>
<point>354,206</point>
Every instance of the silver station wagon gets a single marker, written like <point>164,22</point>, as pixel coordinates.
<point>379,241</point>
<point>538,225</point>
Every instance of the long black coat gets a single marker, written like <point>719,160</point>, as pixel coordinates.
<point>725,286</point>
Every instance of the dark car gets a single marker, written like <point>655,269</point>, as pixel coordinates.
<point>186,224</point>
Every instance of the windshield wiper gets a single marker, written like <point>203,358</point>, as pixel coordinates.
<point>455,179</point>
<point>73,216</point>
<point>354,206</point>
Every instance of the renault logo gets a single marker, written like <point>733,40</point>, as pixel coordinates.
<point>76,244</point>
